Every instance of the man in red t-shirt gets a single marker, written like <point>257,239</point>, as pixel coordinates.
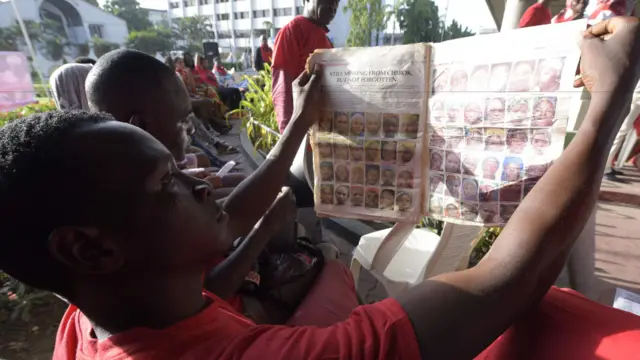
<point>573,10</point>
<point>294,43</point>
<point>536,14</point>
<point>126,237</point>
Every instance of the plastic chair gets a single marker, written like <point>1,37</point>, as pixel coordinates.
<point>403,256</point>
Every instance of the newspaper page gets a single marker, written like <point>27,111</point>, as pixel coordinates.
<point>497,119</point>
<point>368,143</point>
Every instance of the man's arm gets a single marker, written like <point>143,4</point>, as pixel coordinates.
<point>456,315</point>
<point>252,197</point>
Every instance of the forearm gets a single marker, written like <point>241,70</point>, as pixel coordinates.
<point>226,279</point>
<point>527,256</point>
<point>253,196</point>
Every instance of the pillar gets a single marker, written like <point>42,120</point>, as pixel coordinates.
<point>513,11</point>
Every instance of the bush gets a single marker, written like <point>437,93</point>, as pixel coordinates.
<point>27,110</point>
<point>101,47</point>
<point>261,125</point>
<point>41,90</point>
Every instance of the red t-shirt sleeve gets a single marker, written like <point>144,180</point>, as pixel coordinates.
<point>378,331</point>
<point>534,16</point>
<point>285,55</point>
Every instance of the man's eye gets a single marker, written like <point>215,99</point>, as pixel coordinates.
<point>167,179</point>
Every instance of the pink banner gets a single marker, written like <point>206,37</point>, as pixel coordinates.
<point>16,86</point>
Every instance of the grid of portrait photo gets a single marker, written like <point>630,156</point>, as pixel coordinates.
<point>366,164</point>
<point>493,130</point>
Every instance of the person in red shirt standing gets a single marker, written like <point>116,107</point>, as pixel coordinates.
<point>536,14</point>
<point>294,43</point>
<point>264,54</point>
<point>126,237</point>
<point>573,10</point>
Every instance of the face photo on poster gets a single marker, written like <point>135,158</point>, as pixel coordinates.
<point>388,152</point>
<point>454,138</point>
<point>406,152</point>
<point>436,160</point>
<point>356,151</point>
<point>499,76</point>
<point>470,163</point>
<point>454,111</point>
<point>541,141</point>
<point>341,123</point>
<point>404,201</point>
<point>372,151</point>
<point>388,176</point>
<point>357,196</point>
<point>435,205</point>
<point>494,139</point>
<point>458,80</point>
<point>474,139</point>
<point>452,186</point>
<point>438,114</point>
<point>473,112</point>
<point>357,174</point>
<point>488,191</point>
<point>452,210</point>
<point>548,75</point>
<point>341,173</point>
<point>489,167</point>
<point>479,79</point>
<point>372,198</point>
<point>518,114</point>
<point>470,189</point>
<point>387,199</point>
<point>325,148</point>
<point>437,138</point>
<point>517,141</point>
<point>341,149</point>
<point>452,162</point>
<point>405,179</point>
<point>469,211</point>
<point>521,76</point>
<point>495,109</point>
<point>512,168</point>
<point>356,122</point>
<point>325,124</point>
<point>373,124</point>
<point>489,213</point>
<point>326,171</point>
<point>436,183</point>
<point>441,79</point>
<point>342,195</point>
<point>372,174</point>
<point>326,194</point>
<point>544,111</point>
<point>409,126</point>
<point>390,125</point>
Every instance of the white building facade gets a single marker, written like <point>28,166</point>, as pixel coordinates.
<point>239,24</point>
<point>77,20</point>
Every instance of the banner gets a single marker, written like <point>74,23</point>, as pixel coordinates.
<point>16,86</point>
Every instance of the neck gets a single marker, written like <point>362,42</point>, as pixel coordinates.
<point>544,3</point>
<point>311,16</point>
<point>126,304</point>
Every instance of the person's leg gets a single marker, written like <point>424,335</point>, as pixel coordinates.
<point>581,264</point>
<point>634,111</point>
<point>331,299</point>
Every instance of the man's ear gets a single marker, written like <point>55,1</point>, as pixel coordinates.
<point>138,121</point>
<point>85,249</point>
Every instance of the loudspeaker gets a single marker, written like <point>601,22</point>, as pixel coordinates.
<point>211,50</point>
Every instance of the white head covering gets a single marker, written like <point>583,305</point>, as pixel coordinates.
<point>67,85</point>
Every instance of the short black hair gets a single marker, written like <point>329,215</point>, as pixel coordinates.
<point>42,187</point>
<point>85,60</point>
<point>121,77</point>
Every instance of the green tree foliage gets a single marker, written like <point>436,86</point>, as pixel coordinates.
<point>420,21</point>
<point>46,36</point>
<point>101,47</point>
<point>93,2</point>
<point>192,31</point>
<point>151,41</point>
<point>130,11</point>
<point>367,16</point>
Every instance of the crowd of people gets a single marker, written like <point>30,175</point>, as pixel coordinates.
<point>158,262</point>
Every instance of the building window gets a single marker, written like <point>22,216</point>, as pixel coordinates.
<point>242,33</point>
<point>224,35</point>
<point>221,17</point>
<point>174,5</point>
<point>205,2</point>
<point>259,32</point>
<point>241,15</point>
<point>260,14</point>
<point>299,10</point>
<point>221,1</point>
<point>95,30</point>
<point>282,12</point>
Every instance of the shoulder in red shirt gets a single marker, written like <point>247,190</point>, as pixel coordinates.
<point>378,331</point>
<point>293,45</point>
<point>535,15</point>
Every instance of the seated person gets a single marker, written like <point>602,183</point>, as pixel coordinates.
<point>229,95</point>
<point>129,302</point>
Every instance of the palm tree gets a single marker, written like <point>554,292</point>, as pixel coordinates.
<point>193,30</point>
